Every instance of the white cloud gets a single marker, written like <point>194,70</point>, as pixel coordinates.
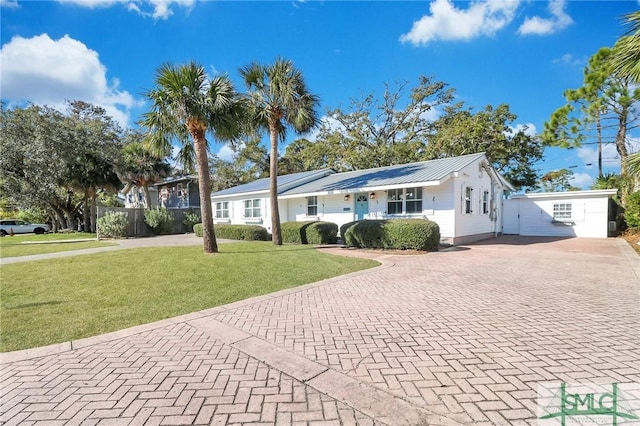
<point>157,9</point>
<point>45,71</point>
<point>446,22</point>
<point>581,180</point>
<point>558,21</point>
<point>589,154</point>
<point>529,129</point>
<point>225,153</point>
<point>9,3</point>
<point>569,59</point>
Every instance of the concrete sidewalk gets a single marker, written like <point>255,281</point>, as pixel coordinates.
<point>456,337</point>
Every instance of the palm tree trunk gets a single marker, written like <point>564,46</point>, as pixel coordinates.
<point>204,184</point>
<point>276,232</point>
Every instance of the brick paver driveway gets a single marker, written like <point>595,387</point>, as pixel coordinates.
<point>456,337</point>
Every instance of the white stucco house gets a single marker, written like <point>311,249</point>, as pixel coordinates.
<point>560,214</point>
<point>463,195</point>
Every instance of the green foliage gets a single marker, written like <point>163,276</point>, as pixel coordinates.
<point>309,232</point>
<point>34,215</point>
<point>492,131</point>
<point>632,210</point>
<point>242,232</point>
<point>190,219</point>
<point>160,220</point>
<point>236,232</point>
<point>113,225</point>
<point>626,58</point>
<point>399,234</point>
<point>558,181</point>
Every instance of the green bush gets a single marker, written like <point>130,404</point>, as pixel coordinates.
<point>190,219</point>
<point>309,232</point>
<point>399,234</point>
<point>113,225</point>
<point>236,232</point>
<point>344,227</point>
<point>632,210</point>
<point>160,220</point>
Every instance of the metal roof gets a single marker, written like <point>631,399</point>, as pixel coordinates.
<point>398,175</point>
<point>285,183</point>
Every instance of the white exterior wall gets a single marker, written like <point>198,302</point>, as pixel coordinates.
<point>476,222</point>
<point>589,215</point>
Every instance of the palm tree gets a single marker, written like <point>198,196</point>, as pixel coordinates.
<point>626,58</point>
<point>278,98</point>
<point>139,167</point>
<point>186,104</point>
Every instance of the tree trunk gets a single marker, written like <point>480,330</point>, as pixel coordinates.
<point>204,184</point>
<point>599,131</point>
<point>93,213</point>
<point>147,196</point>
<point>276,232</point>
<point>621,138</point>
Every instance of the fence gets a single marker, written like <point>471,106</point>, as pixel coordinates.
<point>137,226</point>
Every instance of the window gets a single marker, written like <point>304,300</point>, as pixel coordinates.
<point>562,211</point>
<point>405,201</point>
<point>414,200</point>
<point>468,195</point>
<point>312,206</point>
<point>252,208</point>
<point>394,201</point>
<point>485,202</point>
<point>222,210</point>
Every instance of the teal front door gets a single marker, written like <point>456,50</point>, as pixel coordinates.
<point>362,206</point>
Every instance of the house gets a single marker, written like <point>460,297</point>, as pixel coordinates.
<point>560,214</point>
<point>464,195</point>
<point>180,192</point>
<point>134,197</point>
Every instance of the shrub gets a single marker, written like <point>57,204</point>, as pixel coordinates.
<point>309,232</point>
<point>344,227</point>
<point>632,210</point>
<point>401,234</point>
<point>236,232</point>
<point>190,219</point>
<point>113,225</point>
<point>160,220</point>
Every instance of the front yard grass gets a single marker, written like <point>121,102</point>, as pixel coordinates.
<point>26,245</point>
<point>57,300</point>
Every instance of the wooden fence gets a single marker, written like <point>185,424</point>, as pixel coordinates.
<point>137,226</point>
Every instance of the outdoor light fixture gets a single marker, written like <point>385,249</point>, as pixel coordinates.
<point>372,195</point>
<point>346,197</point>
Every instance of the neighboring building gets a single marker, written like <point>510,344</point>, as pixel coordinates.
<point>179,192</point>
<point>560,214</point>
<point>134,197</point>
<point>464,195</point>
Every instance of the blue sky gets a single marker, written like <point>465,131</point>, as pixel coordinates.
<point>524,53</point>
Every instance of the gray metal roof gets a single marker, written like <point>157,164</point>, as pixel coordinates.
<point>426,171</point>
<point>285,183</point>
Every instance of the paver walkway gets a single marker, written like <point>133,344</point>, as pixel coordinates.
<point>456,337</point>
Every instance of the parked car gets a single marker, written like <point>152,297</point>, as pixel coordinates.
<point>17,226</point>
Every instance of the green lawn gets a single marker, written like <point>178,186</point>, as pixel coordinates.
<point>25,245</point>
<point>57,300</point>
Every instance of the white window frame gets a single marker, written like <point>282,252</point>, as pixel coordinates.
<point>562,212</point>
<point>252,207</point>
<point>222,210</point>
<point>485,202</point>
<point>401,196</point>
<point>468,200</point>
<point>312,205</point>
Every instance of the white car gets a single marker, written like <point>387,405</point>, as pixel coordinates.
<point>17,226</point>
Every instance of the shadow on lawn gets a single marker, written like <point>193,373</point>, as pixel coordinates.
<point>36,305</point>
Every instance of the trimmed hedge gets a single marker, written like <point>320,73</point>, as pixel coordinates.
<point>399,234</point>
<point>236,232</point>
<point>309,232</point>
